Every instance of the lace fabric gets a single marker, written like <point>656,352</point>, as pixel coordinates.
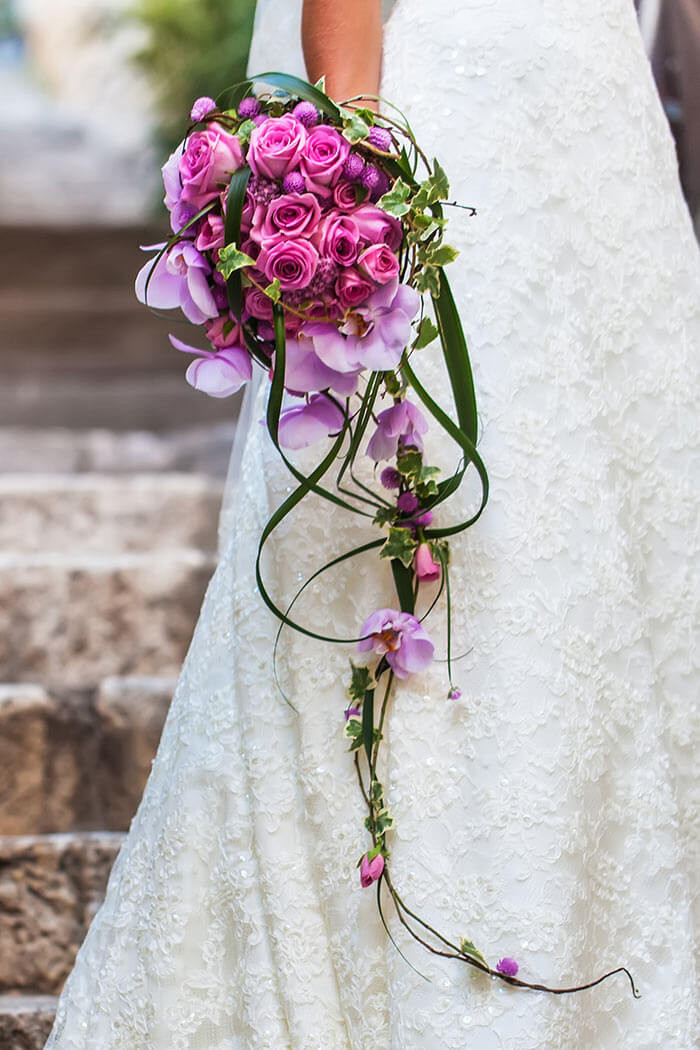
<point>551,813</point>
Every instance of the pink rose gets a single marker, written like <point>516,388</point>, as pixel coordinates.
<point>292,215</point>
<point>258,304</point>
<point>338,237</point>
<point>377,226</point>
<point>379,262</point>
<point>322,158</point>
<point>345,195</point>
<point>224,332</point>
<point>371,870</point>
<point>211,233</point>
<point>275,146</point>
<point>210,157</point>
<point>292,261</point>
<point>426,568</point>
<point>352,288</point>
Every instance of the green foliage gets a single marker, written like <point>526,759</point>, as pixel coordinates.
<point>468,948</point>
<point>231,259</point>
<point>194,47</point>
<point>401,545</point>
<point>362,680</point>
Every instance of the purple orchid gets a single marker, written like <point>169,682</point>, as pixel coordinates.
<point>218,373</point>
<point>180,278</point>
<point>401,638</point>
<point>379,330</point>
<point>306,373</point>
<point>304,425</point>
<point>403,422</point>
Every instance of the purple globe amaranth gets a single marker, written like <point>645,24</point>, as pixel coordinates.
<point>370,177</point>
<point>306,113</point>
<point>380,138</point>
<point>399,637</point>
<point>353,167</point>
<point>294,182</point>
<point>454,694</point>
<point>248,107</point>
<point>390,478</point>
<point>201,107</point>
<point>262,190</point>
<point>403,422</point>
<point>507,966</point>
<point>407,502</point>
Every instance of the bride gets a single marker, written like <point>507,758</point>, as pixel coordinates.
<point>547,814</point>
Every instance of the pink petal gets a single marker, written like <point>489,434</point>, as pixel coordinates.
<point>164,288</point>
<point>304,425</point>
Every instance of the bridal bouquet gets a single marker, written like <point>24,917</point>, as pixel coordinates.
<point>304,240</point>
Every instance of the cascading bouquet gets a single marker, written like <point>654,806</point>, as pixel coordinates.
<point>304,241</point>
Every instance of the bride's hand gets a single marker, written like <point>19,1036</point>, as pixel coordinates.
<point>343,41</point>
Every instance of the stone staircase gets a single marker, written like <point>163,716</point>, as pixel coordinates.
<point>107,541</point>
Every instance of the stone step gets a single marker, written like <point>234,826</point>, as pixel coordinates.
<point>50,888</point>
<point>70,620</point>
<point>26,1020</point>
<point>205,449</point>
<point>93,512</point>
<point>78,761</point>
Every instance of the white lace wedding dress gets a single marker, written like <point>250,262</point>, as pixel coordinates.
<point>548,814</point>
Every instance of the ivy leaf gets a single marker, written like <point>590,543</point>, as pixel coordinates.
<point>356,129</point>
<point>401,545</point>
<point>244,131</point>
<point>441,255</point>
<point>421,198</point>
<point>353,732</point>
<point>439,183</point>
<point>273,291</point>
<point>410,463</point>
<point>362,680</point>
<point>467,948</point>
<point>426,334</point>
<point>428,280</point>
<point>383,821</point>
<point>231,259</point>
<point>394,200</point>
<point>384,515</point>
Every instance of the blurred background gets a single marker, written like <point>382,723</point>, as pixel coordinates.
<point>111,467</point>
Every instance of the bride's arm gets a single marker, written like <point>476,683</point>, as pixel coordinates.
<point>342,39</point>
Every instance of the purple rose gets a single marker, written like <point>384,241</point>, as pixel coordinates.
<point>352,288</point>
<point>322,158</point>
<point>293,215</point>
<point>345,195</point>
<point>210,157</point>
<point>401,638</point>
<point>377,226</point>
<point>180,278</point>
<point>211,233</point>
<point>275,146</point>
<point>338,237</point>
<point>305,424</point>
<point>403,422</point>
<point>292,261</point>
<point>379,262</point>
<point>218,374</point>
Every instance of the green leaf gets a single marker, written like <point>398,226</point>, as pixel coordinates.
<point>384,515</point>
<point>468,948</point>
<point>403,581</point>
<point>439,184</point>
<point>394,200</point>
<point>376,792</point>
<point>383,821</point>
<point>410,463</point>
<point>232,259</point>
<point>353,732</point>
<point>356,129</point>
<point>368,731</point>
<point>273,291</point>
<point>427,333</point>
<point>244,131</point>
<point>362,680</point>
<point>428,280</point>
<point>400,545</point>
<point>441,255</point>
